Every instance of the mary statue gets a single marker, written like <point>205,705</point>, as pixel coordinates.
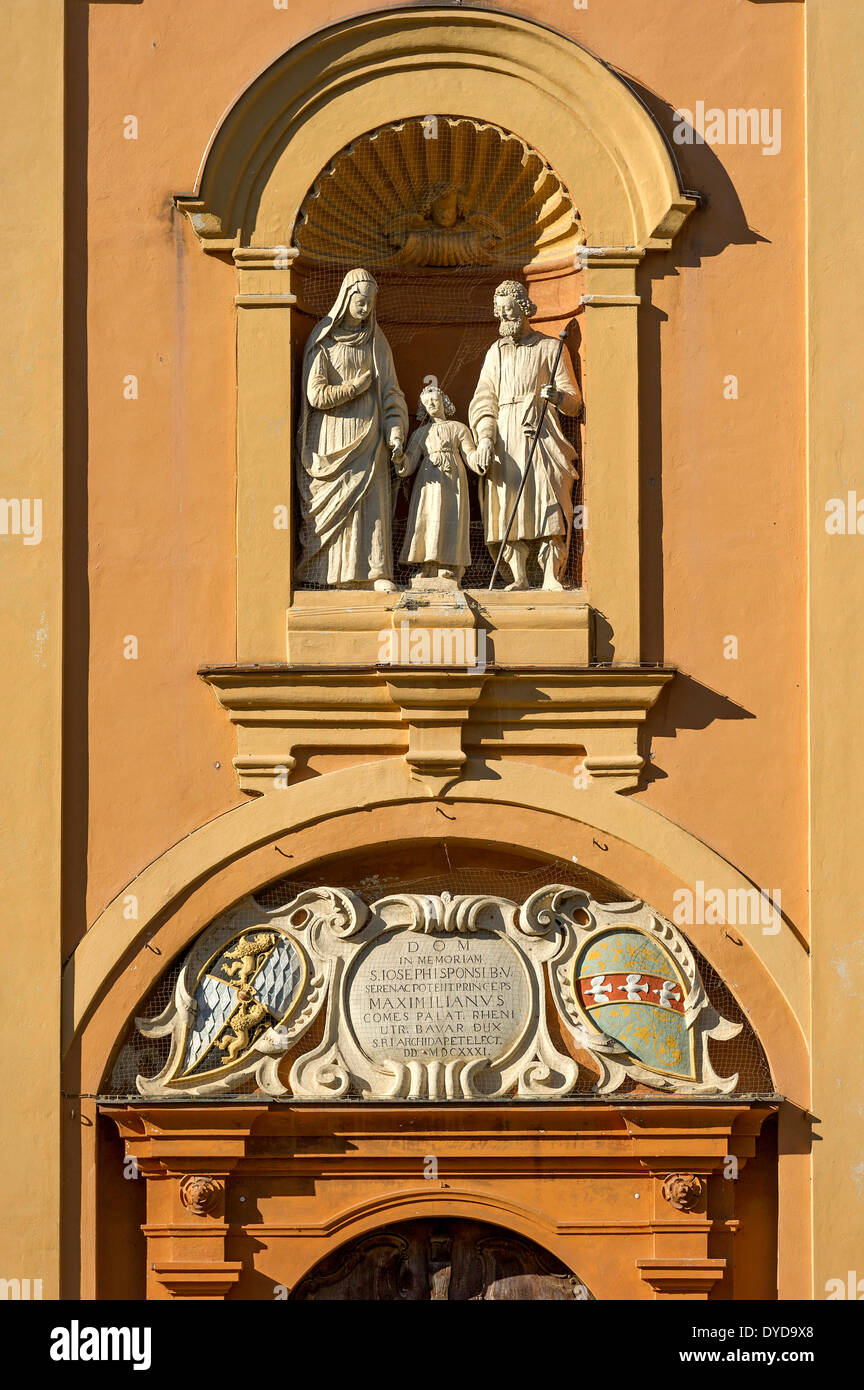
<point>354,418</point>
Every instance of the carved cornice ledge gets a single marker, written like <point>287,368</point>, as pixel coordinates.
<point>264,257</point>
<point>662,1146</point>
<point>436,718</point>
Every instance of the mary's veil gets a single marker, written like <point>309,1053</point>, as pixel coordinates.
<point>327,327</point>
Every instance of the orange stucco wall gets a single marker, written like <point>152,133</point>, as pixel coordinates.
<point>146,490</point>
<point>161,468</point>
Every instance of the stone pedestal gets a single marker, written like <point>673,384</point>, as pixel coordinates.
<point>529,628</point>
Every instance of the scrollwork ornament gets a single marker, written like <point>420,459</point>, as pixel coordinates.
<point>446,914</point>
<point>557,906</point>
<point>336,910</point>
<point>439,997</point>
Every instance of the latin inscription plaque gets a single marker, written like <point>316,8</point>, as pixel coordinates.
<point>418,997</point>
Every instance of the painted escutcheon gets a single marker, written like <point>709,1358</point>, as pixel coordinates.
<point>630,988</point>
<point>251,984</point>
<point>415,997</point>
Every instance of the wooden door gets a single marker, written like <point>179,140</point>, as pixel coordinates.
<point>456,1260</point>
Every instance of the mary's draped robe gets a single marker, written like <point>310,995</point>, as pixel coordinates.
<point>505,409</point>
<point>344,459</point>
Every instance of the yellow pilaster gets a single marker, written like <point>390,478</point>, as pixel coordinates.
<point>612,449</point>
<point>31,614</point>
<point>264,430</point>
<point>835,172</point>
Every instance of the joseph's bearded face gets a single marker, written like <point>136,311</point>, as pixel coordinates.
<point>510,314</point>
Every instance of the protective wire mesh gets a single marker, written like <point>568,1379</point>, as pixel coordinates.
<point>742,1054</point>
<point>440,211</point>
<point>139,1055</point>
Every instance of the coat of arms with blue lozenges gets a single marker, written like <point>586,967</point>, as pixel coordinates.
<point>251,985</point>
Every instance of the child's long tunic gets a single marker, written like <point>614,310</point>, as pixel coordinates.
<point>438,516</point>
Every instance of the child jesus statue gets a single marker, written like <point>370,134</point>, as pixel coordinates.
<point>437,536</point>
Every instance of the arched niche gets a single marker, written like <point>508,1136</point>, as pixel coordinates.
<point>277,142</point>
<point>372,69</point>
<point>441,211</point>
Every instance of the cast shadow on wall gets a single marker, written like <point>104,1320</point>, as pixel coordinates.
<point>720,223</point>
<point>685,704</point>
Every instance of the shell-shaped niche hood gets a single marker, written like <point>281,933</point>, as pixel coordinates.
<point>440,191</point>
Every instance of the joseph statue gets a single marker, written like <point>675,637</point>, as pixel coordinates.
<point>354,420</point>
<point>517,376</point>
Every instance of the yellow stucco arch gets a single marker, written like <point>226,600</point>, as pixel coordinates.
<point>363,72</point>
<point>415,1204</point>
<point>409,1205</point>
<point>364,807</point>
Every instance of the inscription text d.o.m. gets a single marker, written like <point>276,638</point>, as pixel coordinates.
<point>413,997</point>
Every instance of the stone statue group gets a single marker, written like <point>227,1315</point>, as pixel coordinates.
<point>354,424</point>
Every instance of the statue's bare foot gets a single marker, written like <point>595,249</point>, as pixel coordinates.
<point>553,565</point>
<point>385,586</point>
<point>517,584</point>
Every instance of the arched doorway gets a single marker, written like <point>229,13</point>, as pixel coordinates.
<point>440,1260</point>
<point>550,1165</point>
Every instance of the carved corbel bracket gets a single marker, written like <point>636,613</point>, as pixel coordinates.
<point>206,224</point>
<point>202,1280</point>
<point>436,709</point>
<point>450,710</point>
<point>682,1277</point>
<point>663,1146</point>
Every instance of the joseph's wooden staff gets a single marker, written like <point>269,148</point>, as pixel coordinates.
<point>561,340</point>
